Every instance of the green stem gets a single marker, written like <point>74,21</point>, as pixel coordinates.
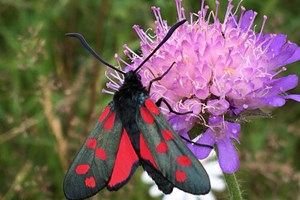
<point>233,187</point>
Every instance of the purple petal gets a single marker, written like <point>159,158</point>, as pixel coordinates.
<point>232,21</point>
<point>285,83</point>
<point>295,97</point>
<point>217,107</point>
<point>295,57</point>
<point>274,101</point>
<point>202,93</point>
<point>178,123</point>
<point>233,130</point>
<point>215,120</point>
<point>280,85</point>
<point>286,52</point>
<point>278,41</point>
<point>247,19</point>
<point>207,139</point>
<point>228,158</point>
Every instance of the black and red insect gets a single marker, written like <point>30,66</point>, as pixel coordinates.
<point>131,131</point>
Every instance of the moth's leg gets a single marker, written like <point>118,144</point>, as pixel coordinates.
<point>160,77</point>
<point>195,143</point>
<point>158,103</point>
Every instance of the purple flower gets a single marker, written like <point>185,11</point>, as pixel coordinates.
<point>222,69</point>
<point>220,133</point>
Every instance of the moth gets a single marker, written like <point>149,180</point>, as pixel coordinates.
<point>132,131</point>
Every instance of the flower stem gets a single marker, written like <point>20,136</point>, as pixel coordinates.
<point>233,187</point>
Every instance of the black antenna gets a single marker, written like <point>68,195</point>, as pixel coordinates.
<point>170,32</point>
<point>87,47</point>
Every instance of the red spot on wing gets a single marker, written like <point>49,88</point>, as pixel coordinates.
<point>82,169</point>
<point>104,114</point>
<point>91,143</point>
<point>162,147</point>
<point>109,123</point>
<point>167,134</point>
<point>180,176</point>
<point>90,182</point>
<point>151,106</point>
<point>145,152</point>
<point>101,154</point>
<point>184,161</point>
<point>125,160</point>
<point>147,117</point>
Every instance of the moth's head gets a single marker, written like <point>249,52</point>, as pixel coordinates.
<point>132,76</point>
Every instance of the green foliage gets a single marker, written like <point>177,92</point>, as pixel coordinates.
<point>51,94</point>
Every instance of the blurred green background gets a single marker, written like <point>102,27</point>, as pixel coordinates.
<point>50,94</point>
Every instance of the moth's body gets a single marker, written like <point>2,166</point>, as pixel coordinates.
<point>127,100</point>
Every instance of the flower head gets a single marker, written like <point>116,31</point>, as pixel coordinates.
<point>222,69</point>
